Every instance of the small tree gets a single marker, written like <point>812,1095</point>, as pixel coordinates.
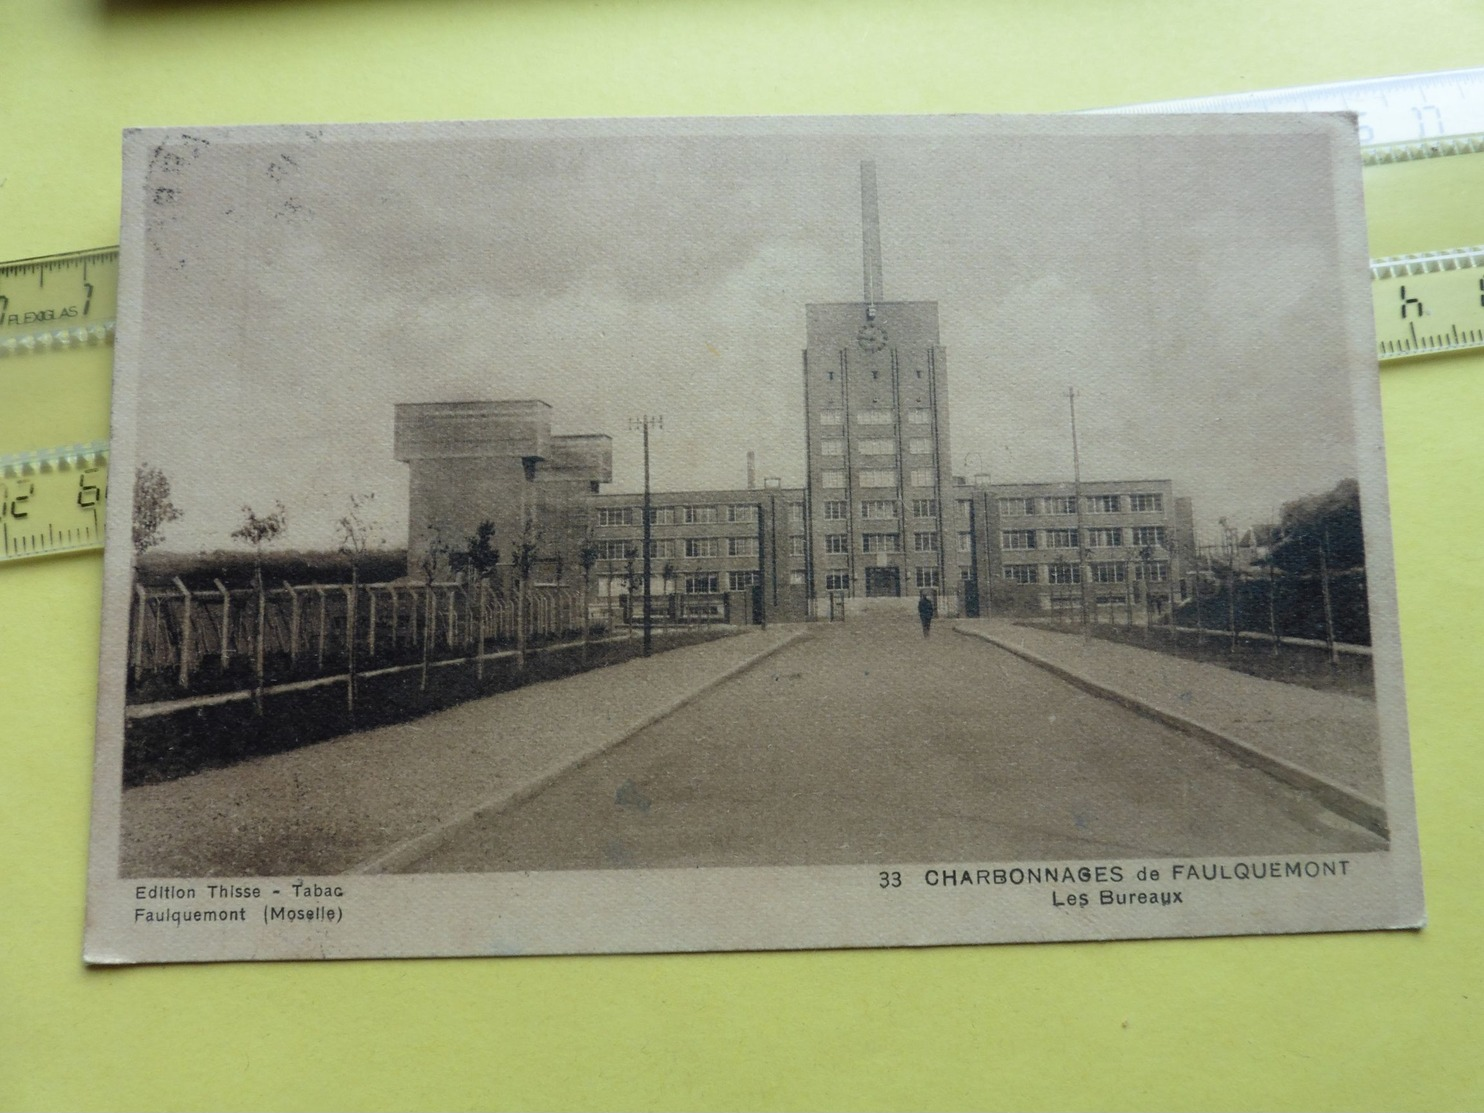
<point>587,556</point>
<point>259,531</point>
<point>478,560</point>
<point>358,534</point>
<point>153,510</point>
<point>524,562</point>
<point>432,558</point>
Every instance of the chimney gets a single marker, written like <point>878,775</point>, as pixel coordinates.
<point>870,239</point>
<point>751,469</point>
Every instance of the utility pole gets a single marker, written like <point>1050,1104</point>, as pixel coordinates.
<point>1082,568</point>
<point>645,423</point>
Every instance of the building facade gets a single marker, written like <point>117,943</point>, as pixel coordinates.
<point>880,514</point>
<point>1066,546</point>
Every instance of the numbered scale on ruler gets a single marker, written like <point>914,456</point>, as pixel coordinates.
<point>52,502</point>
<point>1433,302</point>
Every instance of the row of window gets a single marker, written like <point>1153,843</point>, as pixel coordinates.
<point>880,542</point>
<point>880,508</point>
<point>918,415</point>
<point>665,547</point>
<point>687,515</point>
<point>1094,504</point>
<point>1100,572</point>
<point>921,577</point>
<point>1111,538</point>
<point>916,446</point>
<point>880,477</point>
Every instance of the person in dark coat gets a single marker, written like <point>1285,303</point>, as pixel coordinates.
<point>925,611</point>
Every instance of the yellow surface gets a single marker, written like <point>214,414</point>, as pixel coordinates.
<point>1365,1021</point>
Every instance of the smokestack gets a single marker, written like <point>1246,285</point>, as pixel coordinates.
<point>870,238</point>
<point>751,469</point>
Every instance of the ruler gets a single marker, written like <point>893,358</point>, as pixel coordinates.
<point>1424,303</point>
<point>58,301</point>
<point>53,501</point>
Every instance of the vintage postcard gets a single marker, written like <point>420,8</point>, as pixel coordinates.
<point>683,535</point>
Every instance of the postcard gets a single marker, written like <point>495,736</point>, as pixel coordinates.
<point>676,535</point>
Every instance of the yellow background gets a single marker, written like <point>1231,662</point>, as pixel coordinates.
<point>1363,1021</point>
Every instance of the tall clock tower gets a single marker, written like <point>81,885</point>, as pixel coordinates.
<point>879,494</point>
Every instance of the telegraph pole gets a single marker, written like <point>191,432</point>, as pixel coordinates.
<point>644,423</point>
<point>1082,568</point>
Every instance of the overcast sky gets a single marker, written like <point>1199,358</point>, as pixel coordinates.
<point>1186,275</point>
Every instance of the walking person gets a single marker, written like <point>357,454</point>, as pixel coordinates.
<point>926,608</point>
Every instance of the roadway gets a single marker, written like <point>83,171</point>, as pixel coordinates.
<point>865,743</point>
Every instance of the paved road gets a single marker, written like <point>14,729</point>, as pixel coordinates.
<point>864,743</point>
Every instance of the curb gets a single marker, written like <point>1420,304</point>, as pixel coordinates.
<point>1345,802</point>
<point>407,851</point>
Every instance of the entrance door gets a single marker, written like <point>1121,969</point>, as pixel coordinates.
<point>883,582</point>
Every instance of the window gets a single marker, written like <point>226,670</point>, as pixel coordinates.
<point>924,477</point>
<point>615,515</point>
<point>702,583</point>
<point>1018,539</point>
<point>1061,539</point>
<point>873,417</point>
<point>832,446</point>
<point>920,446</point>
<point>1021,573</point>
<point>742,546</point>
<point>742,512</point>
<point>796,578</point>
<point>966,542</point>
<point>1102,504</point>
<point>965,507</point>
<point>796,512</point>
<point>877,448</point>
<point>832,479</point>
<point>1147,536</point>
<point>663,549</point>
<point>919,416</point>
<point>1146,504</point>
<point>741,581</point>
<point>879,508</point>
<point>1109,572</point>
<point>837,581</point>
<point>831,417</point>
<point>796,545</point>
<point>702,546</point>
<point>699,515</point>
<point>927,577</point>
<point>834,511</point>
<point>924,508</point>
<point>1063,574</point>
<point>1155,571</point>
<point>878,477</point>
<point>836,543</point>
<point>616,550</point>
<point>881,542</point>
<point>1104,538</point>
<point>1017,508</point>
<point>924,542</point>
<point>1061,504</point>
<point>662,515</point>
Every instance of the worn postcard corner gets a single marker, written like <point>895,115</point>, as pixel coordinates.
<point>682,535</point>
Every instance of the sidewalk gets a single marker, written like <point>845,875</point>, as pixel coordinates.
<point>353,800</point>
<point>1325,743</point>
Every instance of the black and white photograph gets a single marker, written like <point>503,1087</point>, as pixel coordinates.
<point>672,535</point>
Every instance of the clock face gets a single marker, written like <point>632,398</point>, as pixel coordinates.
<point>871,338</point>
